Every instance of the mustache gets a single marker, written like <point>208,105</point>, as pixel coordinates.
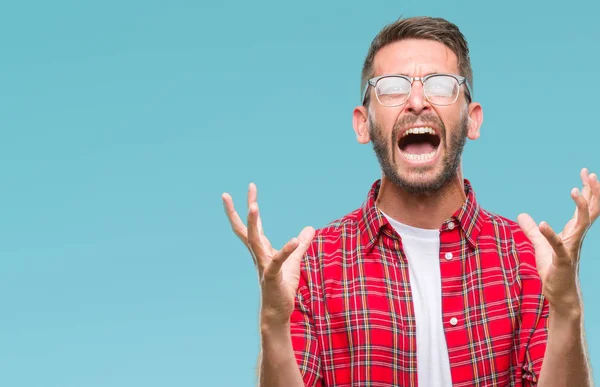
<point>420,120</point>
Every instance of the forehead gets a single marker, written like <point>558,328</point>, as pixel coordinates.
<point>415,57</point>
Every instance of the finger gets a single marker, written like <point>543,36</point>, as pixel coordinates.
<point>254,240</point>
<point>252,194</point>
<point>253,198</point>
<point>594,201</point>
<point>585,190</point>
<point>529,227</point>
<point>279,258</point>
<point>238,227</point>
<point>301,245</point>
<point>585,177</point>
<point>306,235</point>
<point>582,219</point>
<point>560,256</point>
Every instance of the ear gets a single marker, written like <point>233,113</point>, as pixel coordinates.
<point>475,120</point>
<point>360,122</point>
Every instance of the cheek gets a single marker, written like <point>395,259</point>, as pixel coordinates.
<point>386,119</point>
<point>382,126</point>
<point>453,119</point>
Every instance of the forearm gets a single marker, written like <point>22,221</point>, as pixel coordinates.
<point>277,363</point>
<point>566,361</point>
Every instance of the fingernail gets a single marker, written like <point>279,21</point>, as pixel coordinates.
<point>593,176</point>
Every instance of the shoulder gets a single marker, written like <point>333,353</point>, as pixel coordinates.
<point>507,231</point>
<point>337,227</point>
<point>331,240</point>
<point>326,252</point>
<point>511,227</point>
<point>332,233</point>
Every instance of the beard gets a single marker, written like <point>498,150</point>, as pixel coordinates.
<point>450,162</point>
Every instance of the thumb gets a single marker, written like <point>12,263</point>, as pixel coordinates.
<point>293,250</point>
<point>530,228</point>
<point>306,235</point>
<point>304,241</point>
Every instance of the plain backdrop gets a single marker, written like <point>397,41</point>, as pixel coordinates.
<point>122,122</point>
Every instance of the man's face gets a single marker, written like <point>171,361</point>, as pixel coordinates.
<point>415,161</point>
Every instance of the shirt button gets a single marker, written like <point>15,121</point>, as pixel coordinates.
<point>453,321</point>
<point>451,226</point>
<point>448,256</point>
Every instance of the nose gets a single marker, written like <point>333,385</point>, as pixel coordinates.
<point>417,102</point>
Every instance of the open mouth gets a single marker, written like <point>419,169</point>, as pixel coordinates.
<point>419,144</point>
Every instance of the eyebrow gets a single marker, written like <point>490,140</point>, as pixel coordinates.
<point>424,75</point>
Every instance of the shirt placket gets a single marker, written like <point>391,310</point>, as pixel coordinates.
<point>453,301</point>
<point>403,295</point>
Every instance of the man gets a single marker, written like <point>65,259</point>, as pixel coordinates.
<point>420,285</point>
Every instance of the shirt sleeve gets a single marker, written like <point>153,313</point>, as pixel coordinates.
<point>535,347</point>
<point>304,339</point>
<point>533,333</point>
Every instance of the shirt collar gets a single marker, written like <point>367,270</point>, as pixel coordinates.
<point>470,217</point>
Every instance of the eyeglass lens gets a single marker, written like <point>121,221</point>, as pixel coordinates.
<point>439,90</point>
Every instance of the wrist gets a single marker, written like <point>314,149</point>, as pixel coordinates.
<point>276,339</point>
<point>569,313</point>
<point>273,324</point>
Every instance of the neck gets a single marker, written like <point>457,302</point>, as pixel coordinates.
<point>423,211</point>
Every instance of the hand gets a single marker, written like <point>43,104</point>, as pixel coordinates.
<point>557,255</point>
<point>278,270</point>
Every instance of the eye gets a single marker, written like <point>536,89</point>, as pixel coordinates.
<point>443,86</point>
<point>393,85</point>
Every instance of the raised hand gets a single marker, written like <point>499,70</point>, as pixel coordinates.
<point>558,255</point>
<point>278,270</point>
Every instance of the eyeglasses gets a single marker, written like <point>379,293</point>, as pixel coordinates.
<point>439,89</point>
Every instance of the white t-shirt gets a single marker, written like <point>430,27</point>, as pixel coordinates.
<point>422,250</point>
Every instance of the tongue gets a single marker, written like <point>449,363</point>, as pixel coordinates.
<point>419,148</point>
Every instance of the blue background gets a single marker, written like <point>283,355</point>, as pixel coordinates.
<point>122,122</point>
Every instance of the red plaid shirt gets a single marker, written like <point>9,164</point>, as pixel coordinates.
<point>354,320</point>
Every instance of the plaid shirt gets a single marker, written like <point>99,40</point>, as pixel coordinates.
<point>354,322</point>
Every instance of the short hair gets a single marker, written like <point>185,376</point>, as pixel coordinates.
<point>420,27</point>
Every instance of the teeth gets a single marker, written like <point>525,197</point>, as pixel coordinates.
<point>420,130</point>
<point>423,157</point>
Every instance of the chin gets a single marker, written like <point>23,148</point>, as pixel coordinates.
<point>422,180</point>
